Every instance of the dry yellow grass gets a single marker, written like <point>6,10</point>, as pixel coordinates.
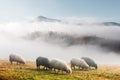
<point>29,72</point>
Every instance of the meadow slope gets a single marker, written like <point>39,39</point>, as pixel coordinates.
<point>29,72</point>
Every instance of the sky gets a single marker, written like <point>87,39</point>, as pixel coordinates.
<point>21,9</point>
<point>13,32</point>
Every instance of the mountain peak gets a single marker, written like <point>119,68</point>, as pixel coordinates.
<point>43,18</point>
<point>111,24</point>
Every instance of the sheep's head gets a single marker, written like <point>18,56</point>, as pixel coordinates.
<point>49,66</point>
<point>68,70</point>
<point>87,67</point>
<point>22,62</point>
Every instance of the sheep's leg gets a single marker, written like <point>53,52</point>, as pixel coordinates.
<point>74,67</point>
<point>38,67</point>
<point>11,62</point>
<point>17,63</point>
<point>71,66</point>
<point>56,71</point>
<point>47,68</point>
<point>79,67</point>
<point>50,69</point>
<point>83,68</point>
<point>44,67</point>
<point>88,68</point>
<point>60,71</point>
<point>53,69</point>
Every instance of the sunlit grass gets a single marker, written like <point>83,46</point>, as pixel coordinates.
<point>29,72</point>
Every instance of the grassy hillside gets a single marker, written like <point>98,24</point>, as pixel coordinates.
<point>29,72</point>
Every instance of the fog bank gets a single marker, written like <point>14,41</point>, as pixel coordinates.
<point>59,39</point>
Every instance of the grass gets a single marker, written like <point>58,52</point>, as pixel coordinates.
<point>29,72</point>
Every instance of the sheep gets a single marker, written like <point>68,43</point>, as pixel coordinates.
<point>42,61</point>
<point>79,63</point>
<point>16,58</point>
<point>90,62</point>
<point>60,65</point>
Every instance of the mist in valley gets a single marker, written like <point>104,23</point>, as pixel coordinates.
<point>61,39</point>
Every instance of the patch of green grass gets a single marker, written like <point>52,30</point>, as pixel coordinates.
<point>29,72</point>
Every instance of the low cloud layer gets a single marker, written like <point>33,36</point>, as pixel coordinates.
<point>68,38</point>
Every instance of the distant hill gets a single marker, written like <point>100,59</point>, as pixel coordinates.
<point>72,40</point>
<point>46,19</point>
<point>110,24</point>
<point>42,18</point>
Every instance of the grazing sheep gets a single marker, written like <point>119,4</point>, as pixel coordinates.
<point>60,65</point>
<point>52,63</point>
<point>42,61</point>
<point>79,63</point>
<point>90,62</point>
<point>16,58</point>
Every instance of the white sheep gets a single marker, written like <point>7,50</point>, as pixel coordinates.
<point>42,61</point>
<point>80,63</point>
<point>90,62</point>
<point>60,65</point>
<point>16,58</point>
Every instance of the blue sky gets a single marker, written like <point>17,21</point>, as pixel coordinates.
<point>18,9</point>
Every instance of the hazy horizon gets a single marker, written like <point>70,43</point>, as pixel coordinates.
<point>61,29</point>
<point>14,40</point>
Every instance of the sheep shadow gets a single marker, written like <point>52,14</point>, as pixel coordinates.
<point>38,70</point>
<point>54,73</point>
<point>46,71</point>
<point>58,72</point>
<point>79,70</point>
<point>83,70</point>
